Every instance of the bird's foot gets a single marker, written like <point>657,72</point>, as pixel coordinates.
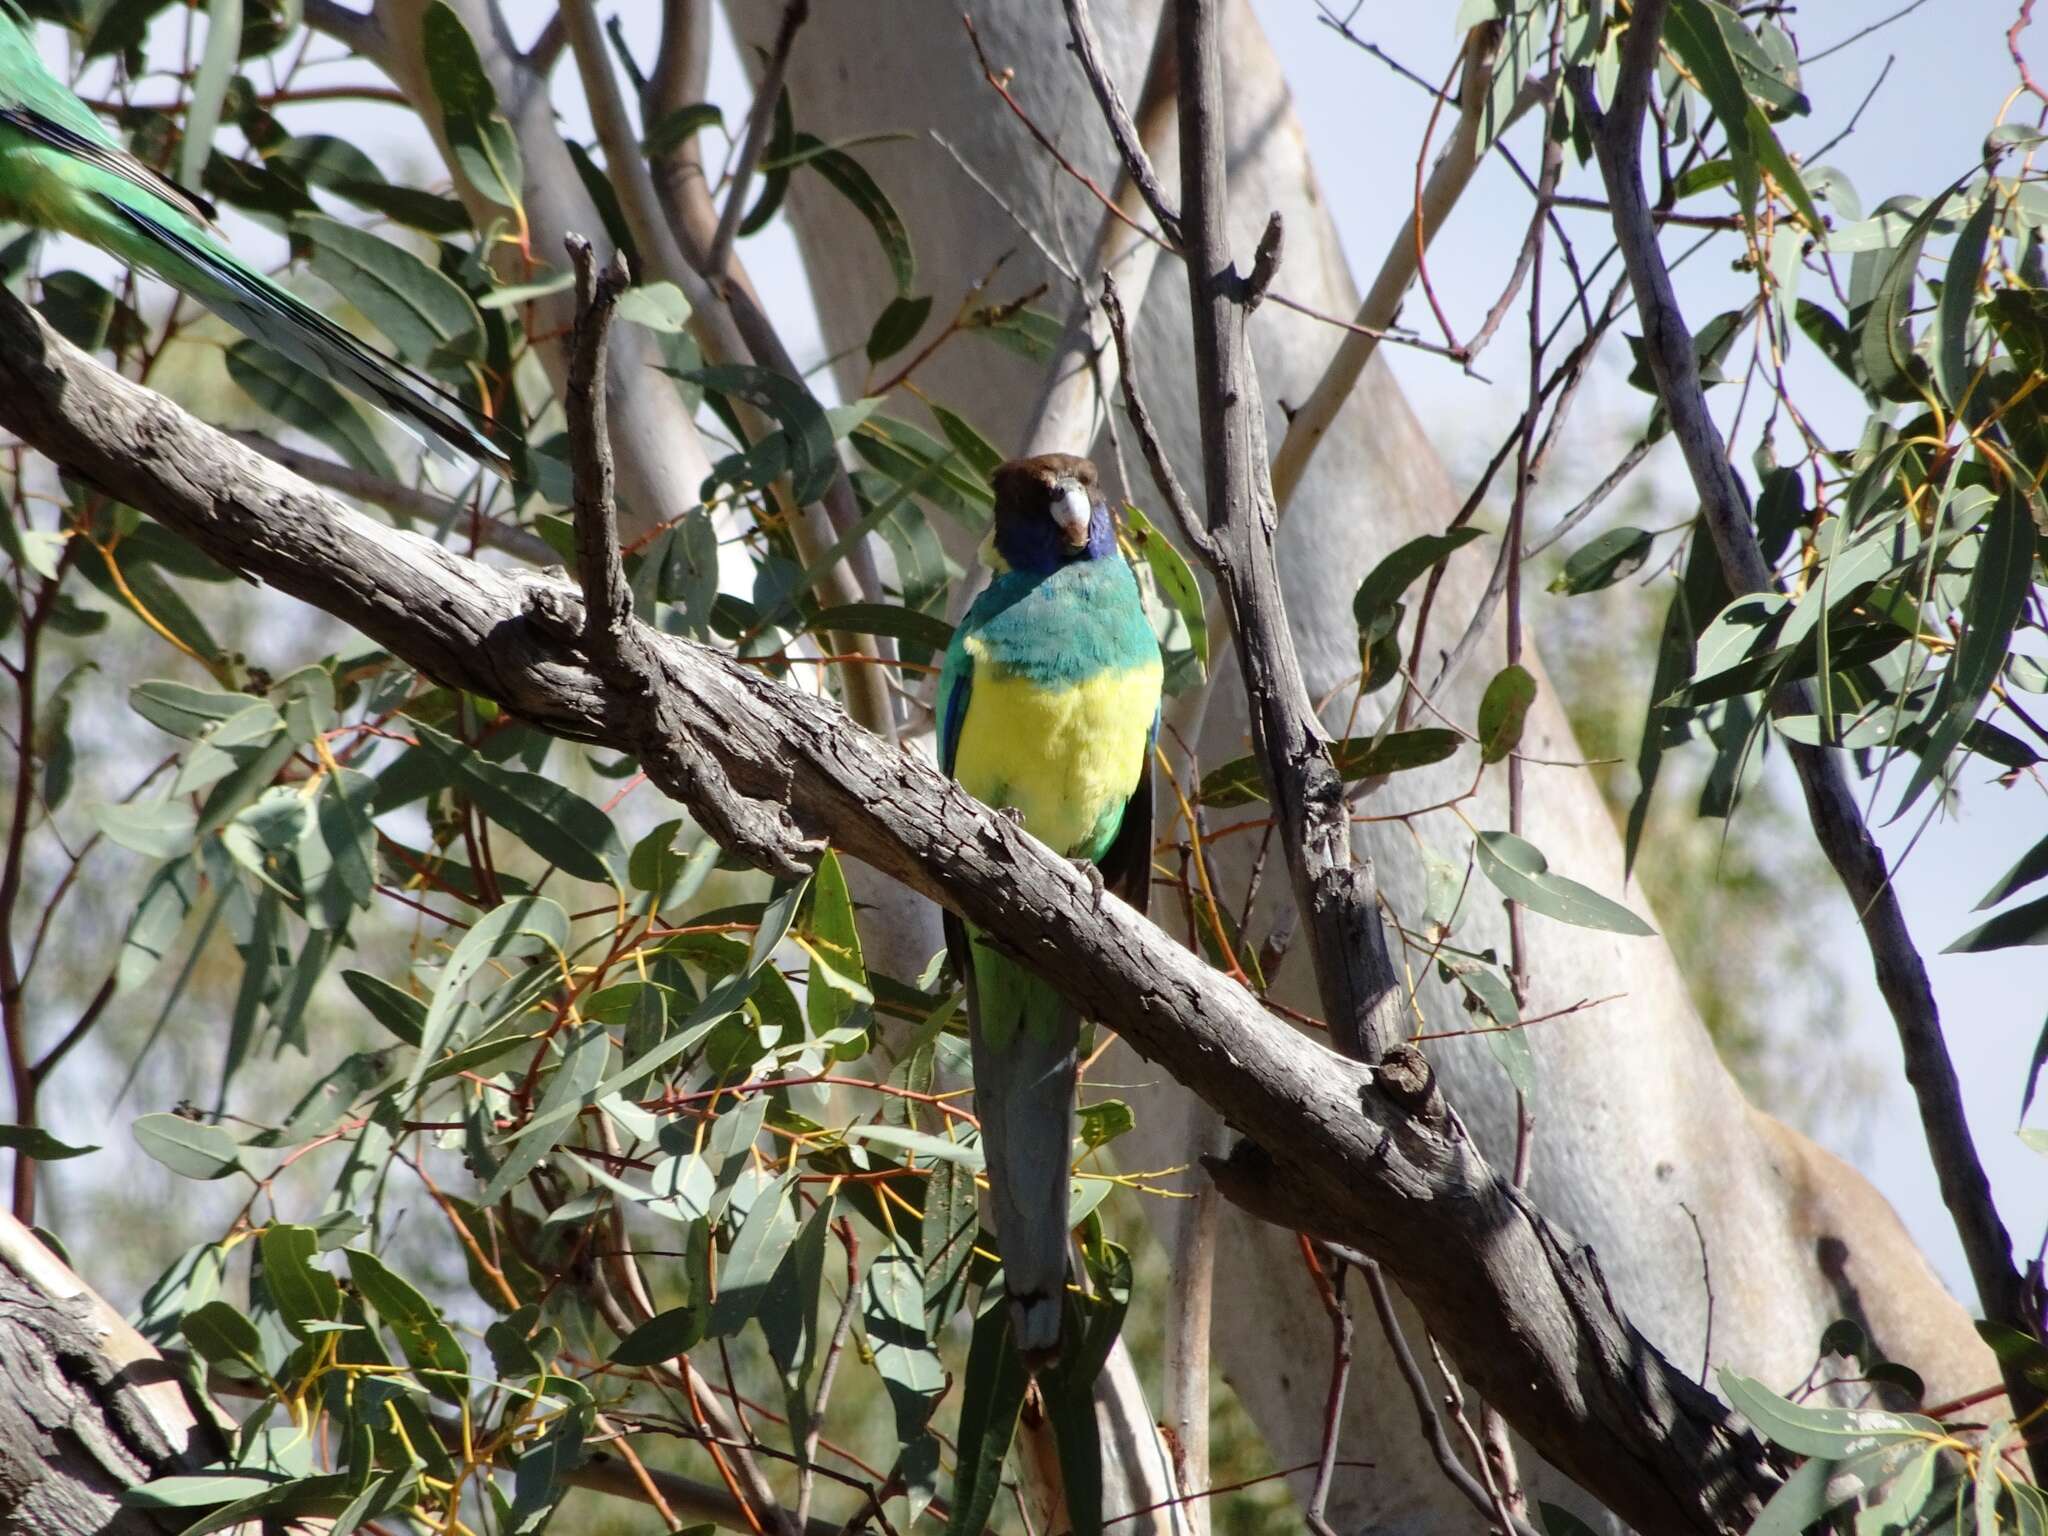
<point>1092,873</point>
<point>1011,814</point>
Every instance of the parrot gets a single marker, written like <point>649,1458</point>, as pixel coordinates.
<point>61,169</point>
<point>1047,710</point>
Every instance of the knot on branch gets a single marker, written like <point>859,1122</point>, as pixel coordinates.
<point>1406,1077</point>
<point>1265,262</point>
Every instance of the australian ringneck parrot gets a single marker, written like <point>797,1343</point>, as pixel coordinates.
<point>61,169</point>
<point>1048,707</point>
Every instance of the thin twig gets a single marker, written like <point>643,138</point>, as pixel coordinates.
<point>758,121</point>
<point>607,599</point>
<point>407,501</point>
<point>1170,489</point>
<point>1342,27</point>
<point>1332,1294</point>
<point>1432,1423</point>
<point>1707,1285</point>
<point>834,1351</point>
<point>1609,483</point>
<point>1857,116</point>
<point>1857,36</point>
<point>1129,143</point>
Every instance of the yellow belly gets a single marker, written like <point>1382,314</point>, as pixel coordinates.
<point>1064,759</point>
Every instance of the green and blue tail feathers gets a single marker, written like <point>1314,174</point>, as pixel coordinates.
<point>60,168</point>
<point>1026,1042</point>
<point>284,322</point>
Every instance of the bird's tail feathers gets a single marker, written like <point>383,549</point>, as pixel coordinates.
<point>1024,1094</point>
<point>281,320</point>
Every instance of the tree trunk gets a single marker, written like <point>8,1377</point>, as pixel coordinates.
<point>1637,1122</point>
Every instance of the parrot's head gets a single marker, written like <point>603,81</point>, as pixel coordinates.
<point>1049,513</point>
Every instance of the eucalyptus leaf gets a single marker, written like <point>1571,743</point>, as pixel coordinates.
<point>1520,872</point>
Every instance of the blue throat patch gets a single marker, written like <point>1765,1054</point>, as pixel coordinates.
<point>1034,544</point>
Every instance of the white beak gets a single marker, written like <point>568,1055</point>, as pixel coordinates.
<point>1073,512</point>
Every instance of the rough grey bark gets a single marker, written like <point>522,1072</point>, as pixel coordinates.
<point>1637,1119</point>
<point>87,1410</point>
<point>1368,1158</point>
<point>69,1441</point>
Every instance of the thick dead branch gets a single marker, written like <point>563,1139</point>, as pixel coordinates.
<point>1333,890</point>
<point>1838,823</point>
<point>1369,1160</point>
<point>87,1408</point>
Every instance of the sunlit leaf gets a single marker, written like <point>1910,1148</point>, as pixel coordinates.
<point>189,1148</point>
<point>1503,710</point>
<point>1520,872</point>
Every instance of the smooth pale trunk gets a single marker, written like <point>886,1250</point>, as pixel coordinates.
<point>1637,1120</point>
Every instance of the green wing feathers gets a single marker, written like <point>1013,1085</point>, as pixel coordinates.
<point>61,169</point>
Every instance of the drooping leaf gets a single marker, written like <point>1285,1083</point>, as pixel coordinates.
<point>1519,871</point>
<point>775,167</point>
<point>2026,923</point>
<point>302,1292</point>
<point>552,819</point>
<point>1617,553</point>
<point>1241,781</point>
<point>428,319</point>
<point>1884,339</point>
<point>807,431</point>
<point>210,87</point>
<point>1952,371</point>
<point>571,1088</point>
<point>837,993</point>
<point>1831,1433</point>
<point>518,928</point>
<point>1503,710</point>
<point>992,1397</point>
<point>222,1336</point>
<point>1176,581</point>
<point>662,1337</point>
<point>429,1344</point>
<point>851,181</point>
<point>167,899</point>
<point>307,402</point>
<point>478,135</point>
<point>33,1141</point>
<point>659,307</point>
<point>906,624</point>
<point>1997,595</point>
<point>189,1148</point>
<point>400,1012</point>
<point>675,129</point>
<point>1374,604</point>
<point>764,1237</point>
<point>897,326</point>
